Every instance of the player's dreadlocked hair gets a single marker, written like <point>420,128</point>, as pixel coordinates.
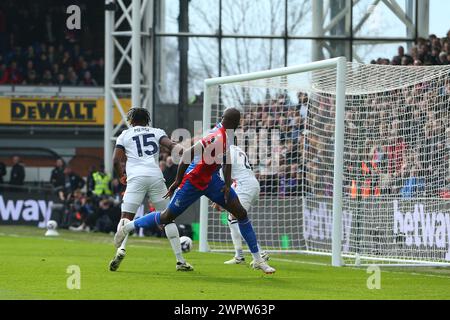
<point>138,116</point>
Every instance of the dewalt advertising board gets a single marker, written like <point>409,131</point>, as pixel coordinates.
<point>56,111</point>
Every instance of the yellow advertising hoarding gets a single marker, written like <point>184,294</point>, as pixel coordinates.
<point>56,111</point>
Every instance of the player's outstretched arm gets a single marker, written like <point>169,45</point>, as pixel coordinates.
<point>186,159</point>
<point>174,148</point>
<point>119,157</point>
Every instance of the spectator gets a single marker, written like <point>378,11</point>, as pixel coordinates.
<point>17,173</point>
<point>87,80</point>
<point>107,217</point>
<point>14,75</point>
<point>401,55</point>
<point>98,71</point>
<point>101,182</point>
<point>47,79</point>
<point>57,178</point>
<point>43,64</point>
<point>66,61</point>
<point>61,80</point>
<point>29,55</point>
<point>303,104</point>
<point>31,78</point>
<point>406,61</point>
<point>90,179</point>
<point>72,181</point>
<point>443,58</point>
<point>170,171</point>
<point>72,79</point>
<point>80,212</point>
<point>52,56</point>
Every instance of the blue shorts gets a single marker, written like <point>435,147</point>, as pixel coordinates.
<point>188,194</point>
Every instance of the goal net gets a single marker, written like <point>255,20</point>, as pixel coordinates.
<point>394,161</point>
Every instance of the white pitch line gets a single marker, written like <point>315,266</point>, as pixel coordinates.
<point>328,265</point>
<point>381,267</point>
<point>301,262</point>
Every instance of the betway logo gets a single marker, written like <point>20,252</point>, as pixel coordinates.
<point>426,229</point>
<point>27,210</point>
<point>318,223</point>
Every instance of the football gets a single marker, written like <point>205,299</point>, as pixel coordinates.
<point>52,225</point>
<point>186,244</point>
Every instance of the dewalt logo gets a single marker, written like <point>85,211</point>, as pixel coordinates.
<point>59,111</point>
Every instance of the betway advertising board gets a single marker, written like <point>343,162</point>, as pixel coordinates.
<point>25,209</point>
<point>417,229</point>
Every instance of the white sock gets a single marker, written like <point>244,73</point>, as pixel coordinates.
<point>128,227</point>
<point>236,237</point>
<point>257,256</point>
<point>124,243</point>
<point>174,238</point>
<point>122,221</point>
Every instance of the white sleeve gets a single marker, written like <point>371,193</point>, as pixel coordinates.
<point>120,141</point>
<point>159,133</point>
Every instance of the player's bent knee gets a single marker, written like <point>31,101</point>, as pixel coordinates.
<point>130,208</point>
<point>236,209</point>
<point>242,214</point>
<point>167,217</point>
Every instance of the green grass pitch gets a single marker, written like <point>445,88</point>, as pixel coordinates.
<point>35,267</point>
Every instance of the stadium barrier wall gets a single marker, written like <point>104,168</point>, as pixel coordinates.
<point>415,224</point>
<point>26,208</point>
<point>34,208</point>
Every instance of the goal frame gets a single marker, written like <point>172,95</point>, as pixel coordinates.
<point>340,64</point>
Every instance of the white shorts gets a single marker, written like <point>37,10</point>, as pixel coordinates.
<point>248,193</point>
<point>138,187</point>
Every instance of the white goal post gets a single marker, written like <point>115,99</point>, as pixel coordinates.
<point>317,136</point>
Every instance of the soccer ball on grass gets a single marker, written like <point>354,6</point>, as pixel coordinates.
<point>51,229</point>
<point>186,244</point>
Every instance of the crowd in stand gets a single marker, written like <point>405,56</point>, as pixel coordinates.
<point>408,153</point>
<point>426,52</point>
<point>37,49</point>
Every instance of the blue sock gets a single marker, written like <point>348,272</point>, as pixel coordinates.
<point>148,221</point>
<point>245,226</point>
